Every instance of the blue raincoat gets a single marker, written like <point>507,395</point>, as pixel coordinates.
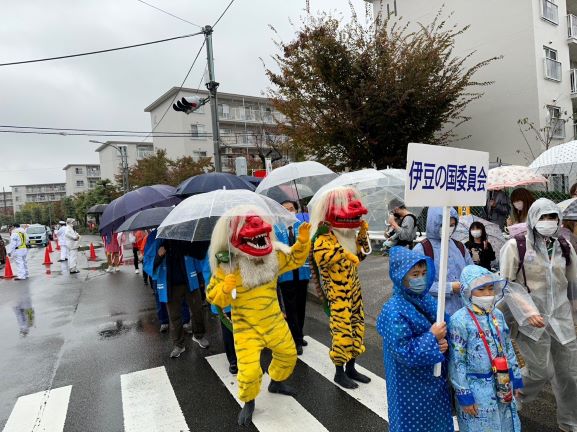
<point>417,400</point>
<point>456,260</point>
<point>469,366</point>
<point>282,236</point>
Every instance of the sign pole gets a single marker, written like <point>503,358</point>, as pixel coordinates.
<point>444,258</point>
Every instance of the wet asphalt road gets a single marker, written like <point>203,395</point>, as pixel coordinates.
<point>90,329</point>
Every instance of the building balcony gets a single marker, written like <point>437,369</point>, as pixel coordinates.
<point>552,69</point>
<point>572,28</point>
<point>573,75</point>
<point>550,11</point>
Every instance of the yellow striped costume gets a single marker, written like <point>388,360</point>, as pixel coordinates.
<point>340,278</point>
<point>259,323</point>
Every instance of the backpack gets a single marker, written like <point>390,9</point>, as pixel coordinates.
<point>521,241</point>
<point>411,243</point>
<point>428,248</point>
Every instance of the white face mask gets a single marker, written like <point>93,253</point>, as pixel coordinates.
<point>476,233</point>
<point>518,205</point>
<point>485,303</point>
<point>547,227</point>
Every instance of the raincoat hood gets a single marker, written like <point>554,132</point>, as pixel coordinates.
<point>474,277</point>
<point>539,208</point>
<point>435,221</point>
<point>401,260</point>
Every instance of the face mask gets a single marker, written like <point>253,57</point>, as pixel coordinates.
<point>476,233</point>
<point>485,303</point>
<point>418,285</point>
<point>451,231</point>
<point>518,205</point>
<point>546,228</point>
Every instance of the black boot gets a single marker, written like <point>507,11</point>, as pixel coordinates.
<point>343,380</point>
<point>353,374</point>
<point>245,415</point>
<point>281,388</point>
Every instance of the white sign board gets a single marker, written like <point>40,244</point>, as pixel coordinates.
<point>445,176</point>
<point>241,166</point>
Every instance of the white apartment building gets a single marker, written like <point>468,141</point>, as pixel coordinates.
<point>109,154</point>
<point>536,79</point>
<point>37,193</point>
<point>81,178</point>
<point>6,202</point>
<point>246,124</point>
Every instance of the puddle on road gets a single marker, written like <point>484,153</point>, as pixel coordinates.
<point>118,328</point>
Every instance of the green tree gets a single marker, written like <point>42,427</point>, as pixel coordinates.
<point>354,95</point>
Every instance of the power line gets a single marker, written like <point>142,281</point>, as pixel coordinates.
<point>223,12</point>
<point>99,51</point>
<point>168,13</point>
<point>154,135</point>
<point>84,130</point>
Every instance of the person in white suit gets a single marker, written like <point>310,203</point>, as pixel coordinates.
<point>72,243</point>
<point>18,251</point>
<point>61,235</point>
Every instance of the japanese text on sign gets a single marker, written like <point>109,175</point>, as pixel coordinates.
<point>448,177</point>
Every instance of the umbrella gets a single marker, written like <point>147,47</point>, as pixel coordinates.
<point>512,176</point>
<point>494,234</point>
<point>145,219</point>
<point>560,159</point>
<point>194,218</point>
<point>569,209</point>
<point>255,181</point>
<point>211,181</point>
<point>304,177</point>
<point>132,202</point>
<point>96,209</point>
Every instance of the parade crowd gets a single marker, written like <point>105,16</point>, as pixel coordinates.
<point>508,331</point>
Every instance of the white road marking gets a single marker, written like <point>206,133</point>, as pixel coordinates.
<point>273,412</point>
<point>149,403</point>
<point>43,411</point>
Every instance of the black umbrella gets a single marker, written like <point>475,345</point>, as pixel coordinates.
<point>255,181</point>
<point>96,209</point>
<point>209,182</point>
<point>145,219</point>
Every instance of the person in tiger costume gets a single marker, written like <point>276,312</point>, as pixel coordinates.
<point>246,279</point>
<point>337,252</point>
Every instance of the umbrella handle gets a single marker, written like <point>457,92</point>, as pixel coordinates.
<point>365,252</point>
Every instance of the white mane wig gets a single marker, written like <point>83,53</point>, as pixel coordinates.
<point>338,196</point>
<point>229,222</point>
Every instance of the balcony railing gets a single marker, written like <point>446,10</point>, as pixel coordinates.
<point>246,115</point>
<point>572,27</point>
<point>552,69</point>
<point>573,75</point>
<point>550,11</point>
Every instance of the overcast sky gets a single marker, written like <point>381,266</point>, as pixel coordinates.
<point>110,91</point>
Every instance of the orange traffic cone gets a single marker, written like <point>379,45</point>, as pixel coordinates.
<point>57,244</point>
<point>47,257</point>
<point>49,247</point>
<point>8,269</point>
<point>92,253</point>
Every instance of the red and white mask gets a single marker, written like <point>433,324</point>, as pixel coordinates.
<point>251,234</point>
<point>345,209</point>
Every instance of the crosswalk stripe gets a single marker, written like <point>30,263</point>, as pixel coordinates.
<point>43,411</point>
<point>273,412</point>
<point>149,403</point>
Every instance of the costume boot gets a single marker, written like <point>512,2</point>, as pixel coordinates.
<point>353,374</point>
<point>343,380</point>
<point>245,415</point>
<point>281,388</point>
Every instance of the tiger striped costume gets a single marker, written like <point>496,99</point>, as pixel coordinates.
<point>259,323</point>
<point>340,278</point>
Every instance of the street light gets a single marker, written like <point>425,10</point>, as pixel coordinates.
<point>123,151</point>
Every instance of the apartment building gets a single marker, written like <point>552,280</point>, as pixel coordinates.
<point>110,156</point>
<point>536,79</point>
<point>37,193</point>
<point>81,178</point>
<point>246,125</point>
<point>6,206</point>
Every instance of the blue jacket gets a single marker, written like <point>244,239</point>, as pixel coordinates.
<point>150,250</point>
<point>469,365</point>
<point>194,268</point>
<point>418,401</point>
<point>456,260</point>
<point>282,236</point>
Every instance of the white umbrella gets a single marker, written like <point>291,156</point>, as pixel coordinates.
<point>304,177</point>
<point>560,159</point>
<point>194,218</point>
<point>510,176</point>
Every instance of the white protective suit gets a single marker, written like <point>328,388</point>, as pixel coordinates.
<point>18,252</point>
<point>72,243</point>
<point>61,235</point>
<point>550,353</point>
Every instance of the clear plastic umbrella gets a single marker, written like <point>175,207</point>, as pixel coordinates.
<point>494,234</point>
<point>305,178</point>
<point>559,159</point>
<point>568,209</point>
<point>195,217</point>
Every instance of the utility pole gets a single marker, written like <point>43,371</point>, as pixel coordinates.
<point>212,86</point>
<point>4,196</point>
<point>124,161</point>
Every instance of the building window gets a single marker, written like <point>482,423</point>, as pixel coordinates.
<point>15,189</point>
<point>199,154</point>
<point>144,151</point>
<point>550,11</point>
<point>392,8</point>
<point>197,131</point>
<point>78,171</point>
<point>552,65</point>
<point>79,183</point>
<point>555,122</point>
<point>223,111</point>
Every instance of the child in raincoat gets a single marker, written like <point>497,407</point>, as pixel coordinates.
<point>470,366</point>
<point>412,344</point>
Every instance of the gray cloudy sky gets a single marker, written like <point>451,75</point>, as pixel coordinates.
<point>110,91</point>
